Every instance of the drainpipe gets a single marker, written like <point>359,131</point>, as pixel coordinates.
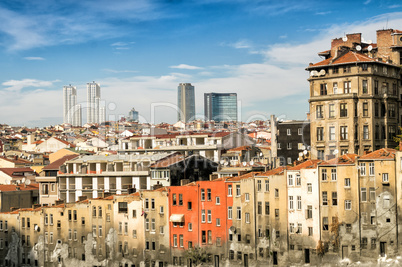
<point>255,219</point>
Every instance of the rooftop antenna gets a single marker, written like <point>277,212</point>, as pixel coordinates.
<point>386,25</point>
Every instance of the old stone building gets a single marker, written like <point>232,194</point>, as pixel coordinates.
<point>355,95</point>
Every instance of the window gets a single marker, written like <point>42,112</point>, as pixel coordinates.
<point>385,178</point>
<point>343,110</point>
<point>174,200</point>
<point>391,110</point>
<point>190,227</point>
<point>202,194</point>
<point>276,192</point>
<point>364,87</point>
<point>247,197</point>
<point>324,175</point>
<point>309,188</point>
<point>230,190</point>
<point>298,180</point>
<point>344,132</point>
<point>238,212</point>
<point>365,110</point>
<point>320,133</point>
<point>376,87</point>
<point>209,216</point>
<point>161,210</point>
<point>218,222</point>
<point>146,225</point>
<point>181,241</point>
<point>299,131</point>
<point>289,132</point>
<point>363,193</point>
<point>290,179</point>
<point>230,213</point>
<point>289,146</point>
<point>371,168</point>
<point>391,132</point>
<point>299,228</point>
<point>348,228</point>
<point>259,208</point>
<point>365,132</point>
<point>247,217</point>
<point>266,185</point>
<point>331,111</point>
<point>291,228</point>
<point>372,193</point>
<point>259,185</point>
<point>335,70</point>
<point>347,182</point>
<point>267,208</point>
<point>319,112</point>
<point>309,214</point>
<point>189,205</point>
<point>324,198</point>
<point>373,243</point>
<point>238,190</point>
<point>209,194</point>
<point>333,175</point>
<point>347,87</point>
<point>386,202</point>
<point>217,200</point>
<point>364,67</point>
<point>203,237</point>
<point>203,216</point>
<point>325,223</point>
<point>310,231</point>
<point>362,169</point>
<point>290,202</point>
<point>346,69</point>
<point>323,89</point>
<point>364,243</point>
<point>299,203</point>
<point>153,228</point>
<point>277,213</point>
<point>334,198</point>
<point>122,207</point>
<point>348,204</point>
<point>175,240</point>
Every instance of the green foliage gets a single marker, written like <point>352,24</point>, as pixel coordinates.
<point>398,138</point>
<point>197,255</point>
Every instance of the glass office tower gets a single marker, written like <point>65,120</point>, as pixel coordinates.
<point>220,106</point>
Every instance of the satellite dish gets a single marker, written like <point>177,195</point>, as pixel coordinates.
<point>251,162</point>
<point>369,48</point>
<point>23,180</point>
<point>314,73</point>
<point>8,182</point>
<point>305,152</point>
<point>322,72</point>
<point>344,38</point>
<point>244,164</point>
<point>222,161</point>
<point>358,48</point>
<point>17,182</point>
<point>301,154</point>
<point>27,181</point>
<point>233,229</point>
<point>37,228</point>
<point>336,151</point>
<point>226,164</point>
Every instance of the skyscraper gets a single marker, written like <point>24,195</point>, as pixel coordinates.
<point>185,102</point>
<point>220,106</point>
<point>71,111</point>
<point>133,115</point>
<point>93,102</point>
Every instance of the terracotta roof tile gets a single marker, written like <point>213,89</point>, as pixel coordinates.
<point>306,164</point>
<point>275,171</point>
<point>383,153</point>
<point>12,187</point>
<point>350,57</point>
<point>346,159</point>
<point>244,176</point>
<point>56,164</point>
<point>11,172</point>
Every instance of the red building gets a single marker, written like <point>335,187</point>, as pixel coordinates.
<point>198,218</point>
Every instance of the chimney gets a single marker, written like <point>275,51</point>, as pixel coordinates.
<point>132,190</point>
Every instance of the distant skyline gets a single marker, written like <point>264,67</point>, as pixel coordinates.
<point>139,51</point>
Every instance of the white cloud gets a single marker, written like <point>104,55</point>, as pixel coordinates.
<point>34,58</point>
<point>367,2</point>
<point>185,67</point>
<point>322,13</point>
<point>18,85</point>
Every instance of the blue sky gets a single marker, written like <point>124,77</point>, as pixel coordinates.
<point>140,50</point>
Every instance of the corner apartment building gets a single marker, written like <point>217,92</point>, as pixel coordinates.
<point>355,95</point>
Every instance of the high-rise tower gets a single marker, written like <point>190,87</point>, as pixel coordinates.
<point>220,106</point>
<point>71,111</point>
<point>93,102</point>
<point>185,102</point>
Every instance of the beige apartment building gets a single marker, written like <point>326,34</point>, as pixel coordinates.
<point>355,95</point>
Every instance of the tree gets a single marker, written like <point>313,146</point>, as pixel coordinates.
<point>197,255</point>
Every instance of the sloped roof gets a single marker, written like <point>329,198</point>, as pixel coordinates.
<point>275,171</point>
<point>170,160</point>
<point>346,159</point>
<point>56,164</point>
<point>349,57</point>
<point>383,153</point>
<point>240,148</point>
<point>11,171</point>
<point>244,176</point>
<point>306,164</point>
<point>12,187</point>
